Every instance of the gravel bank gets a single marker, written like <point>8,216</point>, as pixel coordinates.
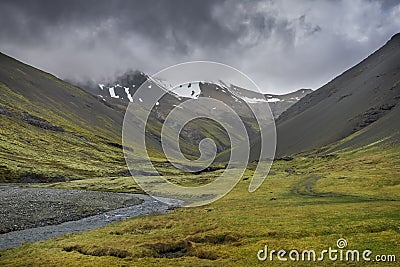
<point>23,207</point>
<point>33,214</point>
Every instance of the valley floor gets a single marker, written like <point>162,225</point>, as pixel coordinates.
<point>307,203</point>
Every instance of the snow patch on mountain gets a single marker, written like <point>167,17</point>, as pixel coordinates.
<point>253,100</point>
<point>112,92</point>
<point>177,106</point>
<point>274,99</point>
<point>189,90</point>
<point>128,94</point>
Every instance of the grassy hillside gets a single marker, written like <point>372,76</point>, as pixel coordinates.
<point>308,202</point>
<point>51,130</point>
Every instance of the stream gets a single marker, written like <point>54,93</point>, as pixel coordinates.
<point>147,205</point>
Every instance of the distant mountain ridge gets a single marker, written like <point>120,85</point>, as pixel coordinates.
<point>124,86</point>
<point>280,103</point>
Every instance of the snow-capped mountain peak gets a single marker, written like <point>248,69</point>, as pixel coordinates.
<point>124,87</point>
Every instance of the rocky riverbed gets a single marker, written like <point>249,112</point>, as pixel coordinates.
<point>33,214</point>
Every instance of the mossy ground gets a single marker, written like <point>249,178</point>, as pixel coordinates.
<point>306,203</point>
<point>49,155</point>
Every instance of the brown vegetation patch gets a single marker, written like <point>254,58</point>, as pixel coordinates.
<point>221,238</point>
<point>179,249</point>
<point>98,251</point>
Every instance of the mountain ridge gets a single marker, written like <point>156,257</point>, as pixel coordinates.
<point>353,100</point>
<point>120,91</point>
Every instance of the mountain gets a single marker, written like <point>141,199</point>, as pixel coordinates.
<point>280,103</point>
<point>357,108</point>
<point>51,130</point>
<point>120,92</point>
<point>198,129</point>
<point>121,89</point>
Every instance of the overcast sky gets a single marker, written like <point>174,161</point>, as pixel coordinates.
<point>281,45</point>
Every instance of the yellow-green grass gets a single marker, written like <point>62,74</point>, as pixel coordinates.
<point>303,204</point>
<point>126,184</point>
<point>28,149</point>
<point>106,184</point>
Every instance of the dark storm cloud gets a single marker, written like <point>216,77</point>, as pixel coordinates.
<point>174,23</point>
<point>114,27</point>
<point>282,45</point>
